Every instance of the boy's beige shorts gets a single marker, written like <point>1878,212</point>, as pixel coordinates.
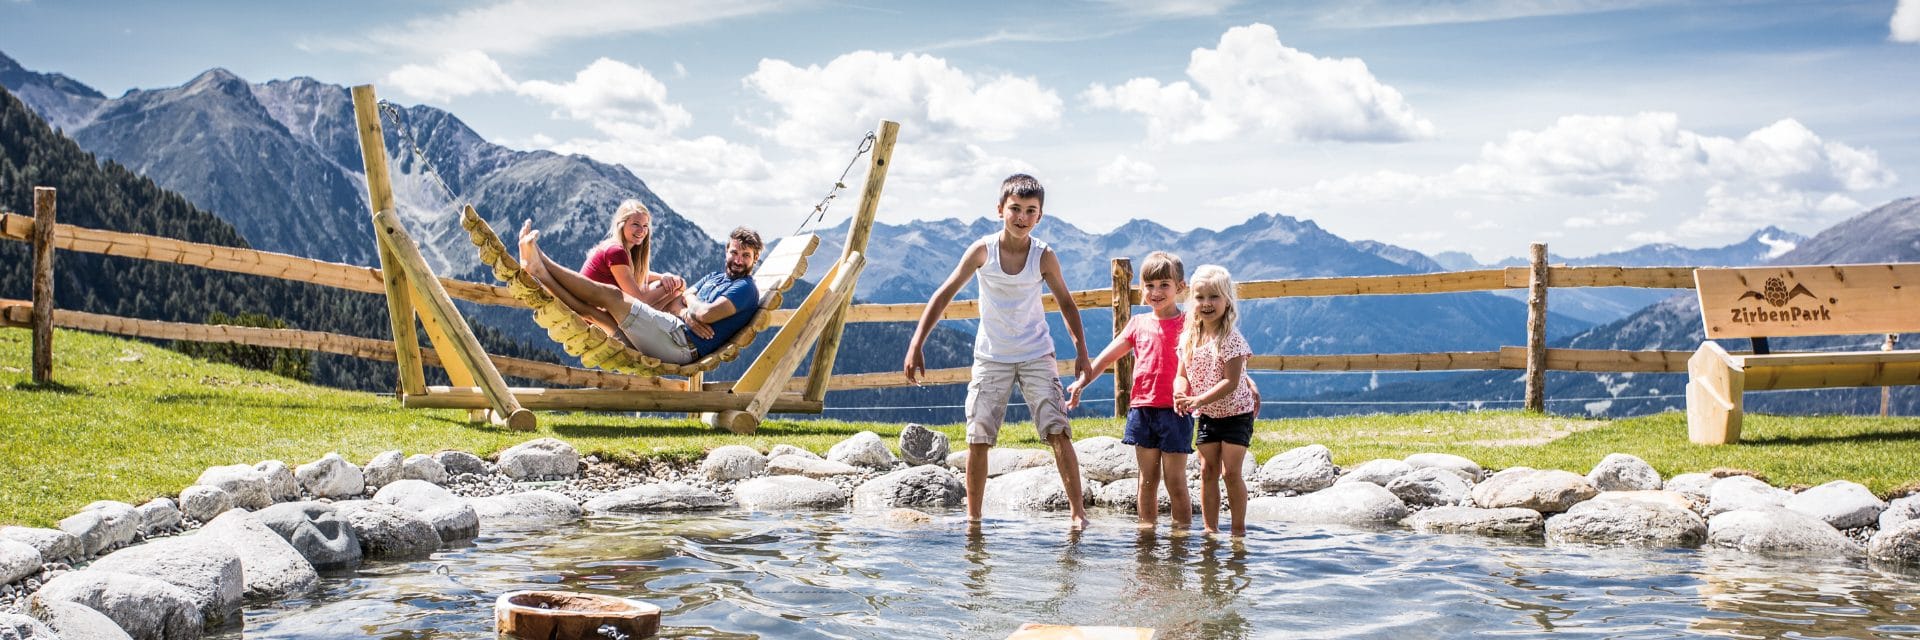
<point>992,386</point>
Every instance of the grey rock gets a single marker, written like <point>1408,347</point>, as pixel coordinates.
<point>531,507</point>
<point>1035,489</point>
<point>460,463</point>
<point>387,531</point>
<point>1545,491</point>
<point>1002,461</point>
<point>864,449</point>
<point>1196,467</point>
<point>203,503</point>
<point>424,468</point>
<point>1467,469</point>
<point>920,445</point>
<point>921,486</point>
<point>281,483</point>
<point>1840,503</point>
<point>158,514</point>
<point>1301,470</point>
<point>331,477</point>
<point>1628,522</point>
<point>1125,495</point>
<point>1777,530</point>
<point>1380,472</point>
<point>383,469</point>
<point>1354,503</point>
<point>207,571</point>
<point>1898,545</point>
<point>452,518</point>
<point>1898,512</point>
<point>145,608</point>
<point>316,530</point>
<point>1734,493</point>
<point>247,485</point>
<point>1675,499</point>
<point>788,493</point>
<point>540,458</point>
<point>669,496</point>
<point>1430,486</point>
<point>274,569</point>
<point>103,525</point>
<point>732,462</point>
<point>14,626</point>
<point>790,450</point>
<point>18,560</point>
<point>793,465</point>
<point>1623,472</point>
<point>1693,484</point>
<point>1106,459</point>
<point>72,620</point>
<point>1512,521</point>
<point>53,544</point>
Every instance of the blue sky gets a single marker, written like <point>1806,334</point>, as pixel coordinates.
<point>1470,126</point>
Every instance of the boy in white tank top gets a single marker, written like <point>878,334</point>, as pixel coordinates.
<point>1013,345</point>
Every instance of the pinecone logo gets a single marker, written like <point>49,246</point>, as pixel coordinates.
<point>1776,292</point>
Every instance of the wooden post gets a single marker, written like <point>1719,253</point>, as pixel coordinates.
<point>857,231</point>
<point>373,154</point>
<point>42,319</point>
<point>1536,399</point>
<point>1886,393</point>
<point>765,378</point>
<point>1122,312</point>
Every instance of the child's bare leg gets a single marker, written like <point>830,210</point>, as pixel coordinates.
<point>1173,471</point>
<point>1232,456</point>
<point>976,478</point>
<point>1149,483</point>
<point>1067,462</point>
<point>1210,486</point>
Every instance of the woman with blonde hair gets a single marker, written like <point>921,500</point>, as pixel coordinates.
<point>625,258</point>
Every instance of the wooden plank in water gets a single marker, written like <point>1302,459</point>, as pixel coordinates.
<point>1036,631</point>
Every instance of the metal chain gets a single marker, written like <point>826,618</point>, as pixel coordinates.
<point>402,129</point>
<point>820,210</point>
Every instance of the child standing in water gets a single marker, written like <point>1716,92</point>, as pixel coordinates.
<point>1213,383</point>
<point>1162,438</point>
<point>1013,346</point>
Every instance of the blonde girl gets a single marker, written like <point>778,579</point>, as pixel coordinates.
<point>625,257</point>
<point>1213,383</point>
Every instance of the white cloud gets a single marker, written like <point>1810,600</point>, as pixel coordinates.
<point>1400,13</point>
<point>1604,219</point>
<point>818,105</point>
<point>1129,173</point>
<point>453,75</point>
<point>1171,8</point>
<point>1776,246</point>
<point>1252,85</point>
<point>615,95</point>
<point>1905,24</point>
<point>530,26</point>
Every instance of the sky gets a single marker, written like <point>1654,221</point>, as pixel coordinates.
<point>1437,125</point>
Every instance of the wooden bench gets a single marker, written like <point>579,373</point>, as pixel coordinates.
<point>1762,302</point>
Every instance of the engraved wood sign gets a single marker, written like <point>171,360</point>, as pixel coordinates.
<point>1809,300</point>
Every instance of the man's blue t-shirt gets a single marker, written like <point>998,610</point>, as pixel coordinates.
<point>746,300</point>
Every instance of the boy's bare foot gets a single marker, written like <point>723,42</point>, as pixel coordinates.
<point>1080,522</point>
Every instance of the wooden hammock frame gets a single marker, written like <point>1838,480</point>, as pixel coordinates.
<point>412,290</point>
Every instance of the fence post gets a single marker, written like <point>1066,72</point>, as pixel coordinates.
<point>1122,312</point>
<point>1536,400</point>
<point>42,319</point>
<point>1886,393</point>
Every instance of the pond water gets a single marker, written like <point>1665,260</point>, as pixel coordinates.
<point>837,575</point>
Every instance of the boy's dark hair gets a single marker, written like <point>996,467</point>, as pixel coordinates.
<point>1021,185</point>
<point>746,237</point>
<point>1161,265</point>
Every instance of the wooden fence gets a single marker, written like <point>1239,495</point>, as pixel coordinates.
<point>1534,357</point>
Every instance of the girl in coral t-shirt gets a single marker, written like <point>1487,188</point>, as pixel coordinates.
<point>1213,383</point>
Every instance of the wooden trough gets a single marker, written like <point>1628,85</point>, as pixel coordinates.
<point>559,615</point>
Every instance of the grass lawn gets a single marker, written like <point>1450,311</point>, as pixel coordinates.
<point>130,421</point>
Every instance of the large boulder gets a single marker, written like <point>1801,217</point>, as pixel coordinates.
<point>1897,512</point>
<point>920,445</point>
<point>103,525</point>
<point>919,486</point>
<point>157,515</point>
<point>1692,484</point>
<point>274,569</point>
<point>1468,470</point>
<point>202,503</point>
<point>387,531</point>
<point>14,626</point>
<point>732,462</point>
<point>1430,487</point>
<point>316,530</point>
<point>1628,522</point>
<point>864,449</point>
<point>1545,491</point>
<point>331,477</point>
<point>666,496</point>
<point>1623,472</point>
<point>1301,470</point>
<point>1354,503</point>
<point>460,463</point>
<point>209,572</point>
<point>529,507</point>
<point>1673,499</point>
<point>788,493</point>
<point>1379,472</point>
<point>1125,495</point>
<point>790,450</point>
<point>1898,545</point>
<point>281,483</point>
<point>814,467</point>
<point>1777,530</point>
<point>384,468</point>
<point>1840,503</point>
<point>1035,489</point>
<point>247,485</point>
<point>452,518</point>
<point>1512,521</point>
<point>54,545</point>
<point>1106,459</point>
<point>145,608</point>
<point>543,458</point>
<point>72,620</point>
<point>1734,493</point>
<point>17,560</point>
<point>424,468</point>
<point>1002,461</point>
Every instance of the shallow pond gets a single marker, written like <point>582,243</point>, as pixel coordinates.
<point>836,575</point>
